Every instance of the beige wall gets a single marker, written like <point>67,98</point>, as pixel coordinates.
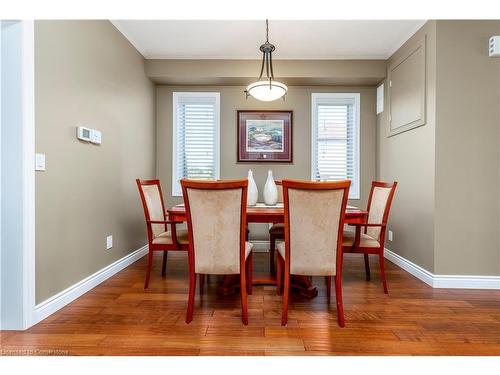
<point>409,158</point>
<point>299,100</point>
<point>467,150</point>
<point>446,213</point>
<point>88,74</point>
<point>242,72</point>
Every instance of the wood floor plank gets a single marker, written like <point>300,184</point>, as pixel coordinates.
<point>375,347</point>
<point>119,317</point>
<point>53,339</point>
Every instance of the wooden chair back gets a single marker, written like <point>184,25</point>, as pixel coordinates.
<point>216,217</point>
<point>379,205</point>
<point>154,208</point>
<point>314,221</point>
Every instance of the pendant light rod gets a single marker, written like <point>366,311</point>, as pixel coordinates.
<point>267,30</point>
<point>267,50</point>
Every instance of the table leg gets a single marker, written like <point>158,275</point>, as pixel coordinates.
<point>304,286</point>
<point>230,285</point>
<point>300,284</point>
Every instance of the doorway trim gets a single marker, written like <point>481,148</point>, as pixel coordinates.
<point>29,241</point>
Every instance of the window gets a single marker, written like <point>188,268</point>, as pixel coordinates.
<point>335,139</point>
<point>195,137</point>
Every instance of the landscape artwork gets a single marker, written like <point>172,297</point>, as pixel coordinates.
<point>264,135</point>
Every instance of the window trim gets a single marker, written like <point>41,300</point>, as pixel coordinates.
<point>354,194</point>
<point>176,97</point>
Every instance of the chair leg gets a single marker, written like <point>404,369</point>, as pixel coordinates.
<point>201,278</point>
<point>328,280</point>
<point>148,271</point>
<point>382,270</point>
<point>249,273</point>
<point>192,290</point>
<point>279,273</point>
<point>286,295</point>
<point>244,301</point>
<point>272,247</point>
<point>338,297</point>
<point>367,267</point>
<point>164,264</point>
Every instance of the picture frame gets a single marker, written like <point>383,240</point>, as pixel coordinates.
<point>264,136</point>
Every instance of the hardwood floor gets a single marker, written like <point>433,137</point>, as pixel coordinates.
<point>119,318</point>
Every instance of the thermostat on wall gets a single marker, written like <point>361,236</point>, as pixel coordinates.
<point>83,133</point>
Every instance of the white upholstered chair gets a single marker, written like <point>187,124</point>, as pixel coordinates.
<point>369,238</point>
<point>314,221</point>
<point>216,216</point>
<point>159,237</point>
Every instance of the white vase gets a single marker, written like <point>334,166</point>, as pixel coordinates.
<point>270,190</point>
<point>252,194</point>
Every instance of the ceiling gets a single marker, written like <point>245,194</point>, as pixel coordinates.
<point>303,40</point>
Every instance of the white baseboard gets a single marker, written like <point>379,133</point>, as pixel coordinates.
<point>443,281</point>
<point>410,267</point>
<point>61,299</point>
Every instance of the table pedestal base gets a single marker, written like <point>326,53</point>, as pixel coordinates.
<point>300,284</point>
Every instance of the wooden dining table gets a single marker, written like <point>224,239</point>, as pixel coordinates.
<point>261,213</point>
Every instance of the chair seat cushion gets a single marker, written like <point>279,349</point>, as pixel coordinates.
<point>364,241</point>
<point>165,238</point>
<point>277,229</point>
<point>248,249</point>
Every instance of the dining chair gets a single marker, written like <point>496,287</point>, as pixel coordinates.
<point>159,237</point>
<point>216,217</point>
<point>276,232</point>
<point>314,221</point>
<point>371,239</point>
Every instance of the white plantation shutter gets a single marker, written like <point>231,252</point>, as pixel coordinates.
<point>335,139</point>
<point>195,137</point>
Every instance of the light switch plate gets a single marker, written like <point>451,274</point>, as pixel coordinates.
<point>109,242</point>
<point>39,162</point>
<point>390,235</point>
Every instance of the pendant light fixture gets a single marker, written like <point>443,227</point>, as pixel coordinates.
<point>267,89</point>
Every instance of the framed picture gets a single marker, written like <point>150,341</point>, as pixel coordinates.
<point>265,136</point>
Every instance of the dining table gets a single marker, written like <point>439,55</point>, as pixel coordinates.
<point>262,213</point>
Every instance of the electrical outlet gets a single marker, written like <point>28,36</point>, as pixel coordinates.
<point>109,242</point>
<point>390,235</point>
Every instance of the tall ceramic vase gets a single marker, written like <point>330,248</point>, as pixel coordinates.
<point>252,193</point>
<point>270,190</point>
